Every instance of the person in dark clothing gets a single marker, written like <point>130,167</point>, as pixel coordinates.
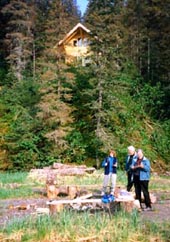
<point>110,170</point>
<point>128,163</point>
<point>141,173</point>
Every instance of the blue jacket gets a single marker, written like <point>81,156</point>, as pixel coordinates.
<point>109,165</point>
<point>128,164</point>
<point>144,173</point>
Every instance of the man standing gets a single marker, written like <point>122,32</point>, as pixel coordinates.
<point>141,172</point>
<point>110,165</point>
<point>129,158</point>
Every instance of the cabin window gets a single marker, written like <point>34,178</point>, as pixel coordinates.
<point>75,43</point>
<point>81,42</point>
<point>85,42</point>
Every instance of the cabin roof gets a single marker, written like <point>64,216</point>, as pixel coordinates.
<point>72,31</point>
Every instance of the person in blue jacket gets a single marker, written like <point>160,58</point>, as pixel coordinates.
<point>141,176</point>
<point>128,163</point>
<point>110,170</point>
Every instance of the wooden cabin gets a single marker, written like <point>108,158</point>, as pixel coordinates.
<point>75,45</point>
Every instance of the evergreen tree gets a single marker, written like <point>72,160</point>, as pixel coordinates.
<point>106,39</point>
<point>147,44</point>
<point>55,82</point>
<point>18,39</point>
<point>20,131</point>
<point>2,36</point>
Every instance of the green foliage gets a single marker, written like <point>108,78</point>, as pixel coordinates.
<point>161,140</point>
<point>151,98</point>
<point>77,148</point>
<point>23,135</point>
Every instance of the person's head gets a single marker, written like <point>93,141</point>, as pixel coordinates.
<point>112,153</point>
<point>140,153</point>
<point>131,150</point>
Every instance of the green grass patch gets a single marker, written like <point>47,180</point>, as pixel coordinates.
<point>74,226</point>
<point>17,185</point>
<point>16,177</point>
<point>22,192</point>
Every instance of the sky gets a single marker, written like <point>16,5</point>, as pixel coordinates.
<point>82,5</point>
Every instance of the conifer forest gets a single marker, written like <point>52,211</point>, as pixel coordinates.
<point>52,111</point>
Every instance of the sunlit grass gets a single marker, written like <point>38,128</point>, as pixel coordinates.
<point>74,226</point>
<point>16,193</point>
<point>91,179</point>
<point>17,185</point>
<point>13,177</point>
<point>20,185</point>
<point>160,183</point>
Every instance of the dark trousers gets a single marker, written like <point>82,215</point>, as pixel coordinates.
<point>142,186</point>
<point>129,181</point>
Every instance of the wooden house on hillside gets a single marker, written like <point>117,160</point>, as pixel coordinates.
<point>75,45</point>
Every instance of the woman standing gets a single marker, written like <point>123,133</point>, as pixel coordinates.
<point>110,170</point>
<point>141,176</point>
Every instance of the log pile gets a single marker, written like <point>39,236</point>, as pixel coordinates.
<point>60,169</point>
<point>72,170</point>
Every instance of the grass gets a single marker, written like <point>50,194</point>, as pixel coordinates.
<point>71,226</point>
<point>74,226</point>
<point>17,185</point>
<point>160,184</point>
<point>20,185</point>
<point>15,177</point>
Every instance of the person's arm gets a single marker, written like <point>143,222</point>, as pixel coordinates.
<point>115,162</point>
<point>145,165</point>
<point>134,166</point>
<point>105,162</point>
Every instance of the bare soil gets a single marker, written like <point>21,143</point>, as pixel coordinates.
<point>160,210</point>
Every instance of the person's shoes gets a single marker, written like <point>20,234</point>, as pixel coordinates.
<point>147,209</point>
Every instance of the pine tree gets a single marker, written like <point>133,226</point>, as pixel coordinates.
<point>55,82</point>
<point>147,42</point>
<point>106,40</point>
<point>19,39</point>
<point>2,34</point>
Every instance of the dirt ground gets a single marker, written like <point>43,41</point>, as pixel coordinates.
<point>18,208</point>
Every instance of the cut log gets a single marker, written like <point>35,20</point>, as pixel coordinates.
<point>51,191</point>
<point>76,200</point>
<point>23,207</point>
<point>64,169</point>
<point>90,170</point>
<point>66,166</point>
<point>127,206</point>
<point>42,210</point>
<point>85,200</point>
<point>55,208</point>
<point>72,191</point>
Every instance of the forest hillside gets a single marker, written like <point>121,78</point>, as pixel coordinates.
<point>54,112</point>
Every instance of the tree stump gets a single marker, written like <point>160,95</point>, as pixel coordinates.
<point>55,208</point>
